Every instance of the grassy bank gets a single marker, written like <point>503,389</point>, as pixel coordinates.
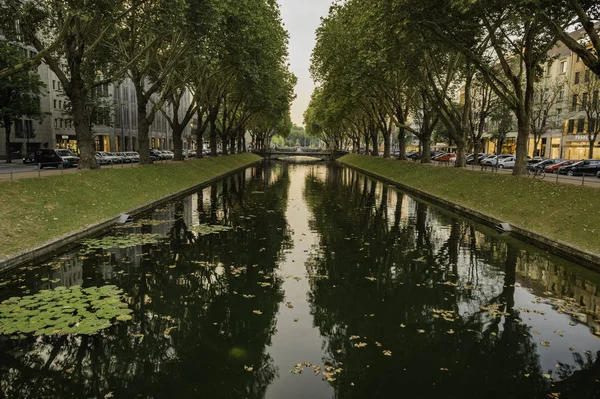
<point>34,211</point>
<point>561,212</point>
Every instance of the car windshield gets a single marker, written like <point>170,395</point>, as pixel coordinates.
<point>64,153</point>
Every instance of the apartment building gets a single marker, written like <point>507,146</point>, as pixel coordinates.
<point>115,130</point>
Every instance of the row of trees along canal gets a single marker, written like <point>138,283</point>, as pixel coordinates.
<point>385,64</point>
<point>230,55</point>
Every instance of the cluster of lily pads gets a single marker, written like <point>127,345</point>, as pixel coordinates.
<point>73,310</point>
<point>206,229</point>
<point>121,241</point>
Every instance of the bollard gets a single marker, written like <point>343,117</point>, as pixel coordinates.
<point>11,172</point>
<point>583,179</point>
<point>62,169</point>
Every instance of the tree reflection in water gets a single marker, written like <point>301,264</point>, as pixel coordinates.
<point>193,331</point>
<point>394,264</point>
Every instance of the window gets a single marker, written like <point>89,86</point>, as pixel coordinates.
<point>586,75</point>
<point>584,101</point>
<point>558,115</point>
<point>580,125</point>
<point>595,99</point>
<point>561,93</point>
<point>592,125</point>
<point>571,126</point>
<point>549,69</point>
<point>54,104</point>
<point>563,67</point>
<point>55,122</point>
<point>58,85</point>
<point>60,123</point>
<point>574,103</point>
<point>59,104</point>
<point>577,77</point>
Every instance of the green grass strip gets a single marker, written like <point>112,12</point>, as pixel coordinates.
<point>566,213</point>
<point>35,211</point>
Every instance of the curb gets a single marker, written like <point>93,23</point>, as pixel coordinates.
<point>564,250</point>
<point>52,247</point>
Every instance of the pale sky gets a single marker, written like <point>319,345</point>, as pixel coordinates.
<point>301,19</point>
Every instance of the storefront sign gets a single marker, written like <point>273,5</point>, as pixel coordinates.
<point>65,137</point>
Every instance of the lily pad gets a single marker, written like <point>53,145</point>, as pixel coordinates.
<point>64,311</point>
<point>207,229</point>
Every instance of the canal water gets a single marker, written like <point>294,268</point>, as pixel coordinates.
<point>308,281</point>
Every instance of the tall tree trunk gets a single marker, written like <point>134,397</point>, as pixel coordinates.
<point>590,149</point>
<point>239,143</point>
<point>387,145</point>
<point>85,137</point>
<point>461,154</point>
<point>232,146</point>
<point>224,144</point>
<point>401,144</point>
<point>213,136</point>
<point>374,137</point>
<point>524,129</point>
<point>7,126</point>
<point>178,144</point>
<point>425,149</point>
<point>143,131</point>
<point>476,150</point>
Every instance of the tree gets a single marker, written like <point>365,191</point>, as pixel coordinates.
<point>82,60</point>
<point>19,93</point>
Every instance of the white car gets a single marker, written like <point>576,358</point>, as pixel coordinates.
<point>506,162</point>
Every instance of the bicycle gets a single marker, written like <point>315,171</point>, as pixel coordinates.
<point>536,173</point>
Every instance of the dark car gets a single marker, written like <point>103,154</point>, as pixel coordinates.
<point>29,159</point>
<point>56,158</point>
<point>588,167</point>
<point>471,158</point>
<point>545,163</point>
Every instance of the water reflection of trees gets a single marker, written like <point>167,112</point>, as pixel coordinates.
<point>193,330</point>
<point>422,261</point>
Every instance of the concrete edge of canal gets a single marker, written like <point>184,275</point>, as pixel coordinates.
<point>62,243</point>
<point>555,247</point>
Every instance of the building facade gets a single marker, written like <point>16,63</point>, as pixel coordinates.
<point>115,131</point>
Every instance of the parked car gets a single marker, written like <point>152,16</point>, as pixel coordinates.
<point>134,156</point>
<point>545,163</point>
<point>436,155</point>
<point>554,168</point>
<point>29,158</point>
<point>415,155</point>
<point>101,159</point>
<point>109,156</point>
<point>598,175</point>
<point>471,158</point>
<point>168,154</point>
<point>589,167</point>
<point>490,160</point>
<point>124,157</point>
<point>506,162</point>
<point>189,154</point>
<point>448,157</point>
<point>56,158</point>
<point>533,160</point>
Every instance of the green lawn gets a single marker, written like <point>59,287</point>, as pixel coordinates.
<point>35,211</point>
<point>566,213</point>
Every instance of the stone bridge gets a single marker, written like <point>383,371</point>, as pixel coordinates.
<point>273,155</point>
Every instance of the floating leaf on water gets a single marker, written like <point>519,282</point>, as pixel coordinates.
<point>387,353</point>
<point>256,312</point>
<point>63,311</point>
<point>371,278</point>
<point>207,229</point>
<point>248,368</point>
<point>121,241</point>
<point>289,305</point>
<point>545,343</point>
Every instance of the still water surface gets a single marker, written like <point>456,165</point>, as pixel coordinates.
<point>328,284</point>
